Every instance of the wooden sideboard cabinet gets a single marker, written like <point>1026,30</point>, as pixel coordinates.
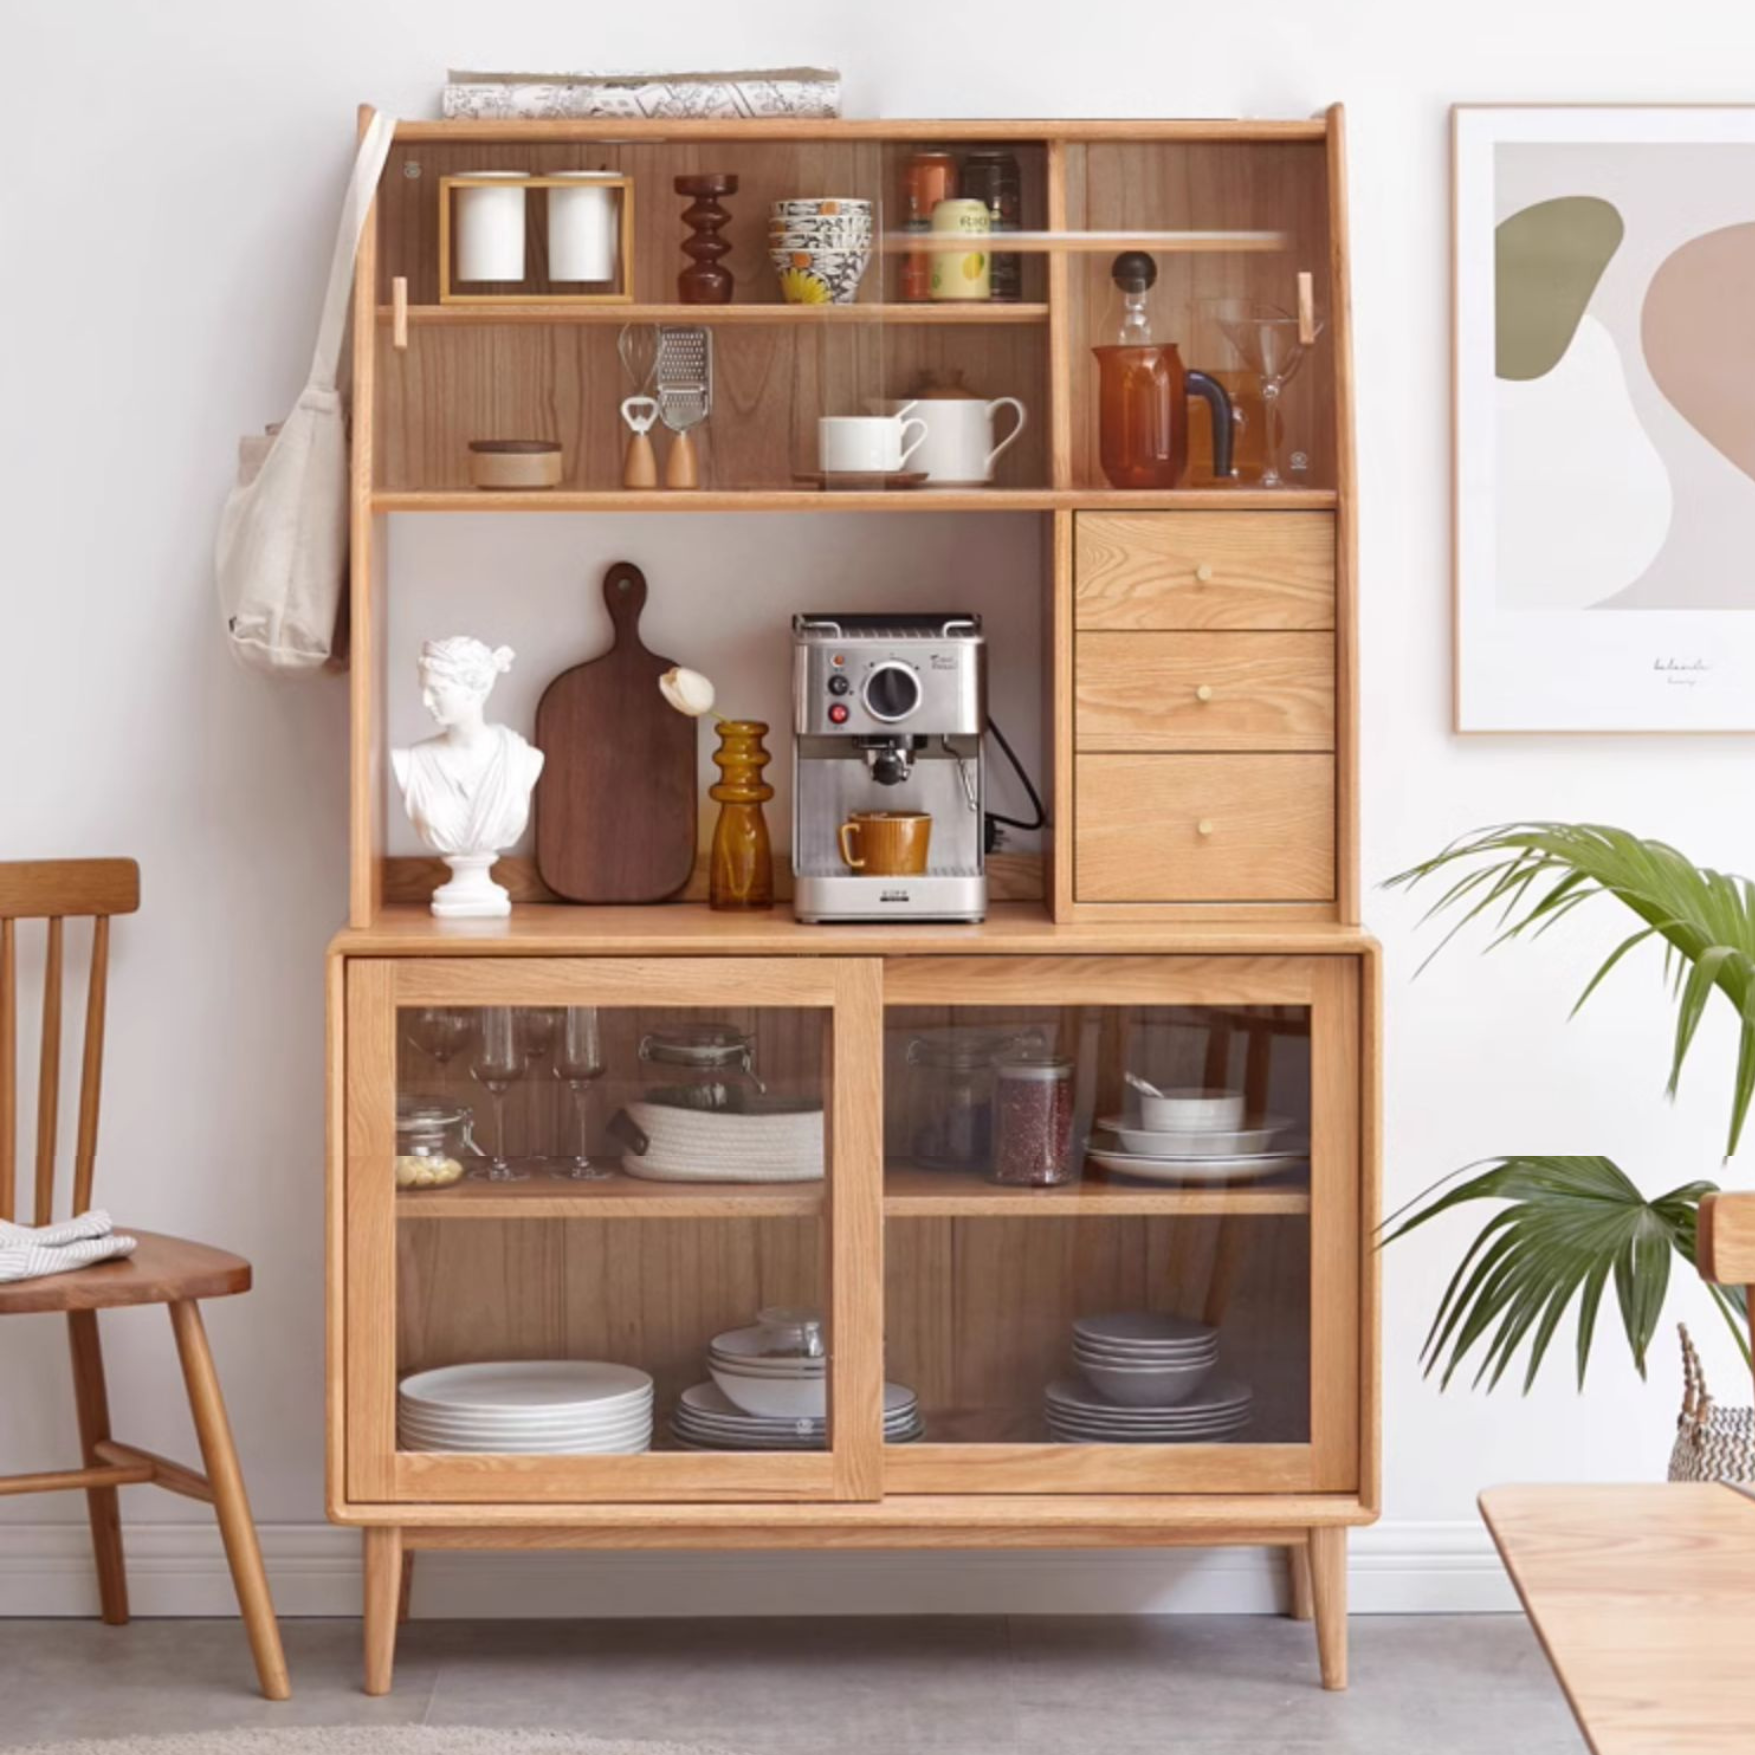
<point>1192,917</point>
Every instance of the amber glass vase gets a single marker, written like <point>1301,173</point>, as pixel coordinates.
<point>741,870</point>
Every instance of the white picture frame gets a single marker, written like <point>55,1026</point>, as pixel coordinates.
<point>1604,407</point>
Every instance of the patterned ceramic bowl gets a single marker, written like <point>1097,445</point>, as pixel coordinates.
<point>819,277</point>
<point>821,206</point>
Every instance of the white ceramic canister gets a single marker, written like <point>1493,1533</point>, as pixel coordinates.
<point>963,273</point>
<point>490,229</point>
<point>583,234</point>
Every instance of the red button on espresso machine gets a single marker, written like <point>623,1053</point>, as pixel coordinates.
<point>838,713</point>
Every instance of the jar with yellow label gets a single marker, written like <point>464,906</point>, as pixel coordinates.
<point>962,273</point>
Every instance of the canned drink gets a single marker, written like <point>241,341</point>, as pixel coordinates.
<point>927,179</point>
<point>993,177</point>
<point>964,273</point>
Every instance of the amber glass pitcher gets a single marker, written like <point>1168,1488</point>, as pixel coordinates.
<point>1142,420</point>
<point>1143,391</point>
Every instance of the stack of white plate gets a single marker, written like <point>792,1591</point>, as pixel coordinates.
<point>560,1406</point>
<point>1196,1136</point>
<point>705,1419</point>
<point>1143,1360</point>
<point>772,1386</point>
<point>1215,1412</point>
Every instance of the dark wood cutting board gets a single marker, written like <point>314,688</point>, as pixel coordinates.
<point>616,803</point>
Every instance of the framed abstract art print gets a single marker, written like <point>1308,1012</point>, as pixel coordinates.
<point>1605,418</point>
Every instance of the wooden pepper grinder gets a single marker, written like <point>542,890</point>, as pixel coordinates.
<point>707,281</point>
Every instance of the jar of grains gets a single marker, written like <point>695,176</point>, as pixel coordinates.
<point>1033,1120</point>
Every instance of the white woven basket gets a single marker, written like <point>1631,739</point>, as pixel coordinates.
<point>1712,1444</point>
<point>717,1145</point>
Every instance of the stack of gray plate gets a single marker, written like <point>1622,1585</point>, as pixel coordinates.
<point>705,1418</point>
<point>1218,1410</point>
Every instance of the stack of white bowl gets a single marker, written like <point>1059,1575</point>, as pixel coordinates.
<point>820,246</point>
<point>1148,1379</point>
<point>555,1406</point>
<point>769,1384</point>
<point>1144,1360</point>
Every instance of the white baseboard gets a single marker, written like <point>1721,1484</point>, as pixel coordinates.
<point>179,1569</point>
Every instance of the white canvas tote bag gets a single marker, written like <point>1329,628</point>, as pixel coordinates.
<point>282,550</point>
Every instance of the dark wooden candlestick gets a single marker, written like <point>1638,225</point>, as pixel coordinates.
<point>706,281</point>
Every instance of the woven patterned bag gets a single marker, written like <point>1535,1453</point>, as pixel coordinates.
<point>1712,1444</point>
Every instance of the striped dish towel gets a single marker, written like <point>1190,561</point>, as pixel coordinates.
<point>29,1252</point>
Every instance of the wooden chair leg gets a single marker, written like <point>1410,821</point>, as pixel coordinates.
<point>92,1404</point>
<point>1299,1605</point>
<point>231,1503</point>
<point>405,1594</point>
<point>383,1587</point>
<point>1328,1593</point>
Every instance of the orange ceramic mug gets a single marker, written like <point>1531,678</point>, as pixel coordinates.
<point>886,843</point>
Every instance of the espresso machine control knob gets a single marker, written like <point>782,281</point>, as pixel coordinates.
<point>839,685</point>
<point>892,692</point>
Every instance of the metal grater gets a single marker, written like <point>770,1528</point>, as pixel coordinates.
<point>684,375</point>
<point>684,382</point>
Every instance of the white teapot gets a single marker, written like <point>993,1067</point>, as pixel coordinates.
<point>959,449</point>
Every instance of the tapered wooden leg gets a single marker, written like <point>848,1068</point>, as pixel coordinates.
<point>383,1578</point>
<point>1298,1604</point>
<point>231,1503</point>
<point>1328,1595</point>
<point>405,1595</point>
<point>92,1404</point>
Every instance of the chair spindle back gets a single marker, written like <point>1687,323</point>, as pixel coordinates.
<point>55,891</point>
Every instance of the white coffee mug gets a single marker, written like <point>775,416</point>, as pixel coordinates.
<point>959,450</point>
<point>490,229</point>
<point>866,444</point>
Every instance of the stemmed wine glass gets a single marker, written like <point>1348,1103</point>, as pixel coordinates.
<point>1272,347</point>
<point>579,1060</point>
<point>498,1064</point>
<point>534,1028</point>
<point>441,1032</point>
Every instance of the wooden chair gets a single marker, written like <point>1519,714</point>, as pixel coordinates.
<point>163,1270</point>
<point>1725,1248</point>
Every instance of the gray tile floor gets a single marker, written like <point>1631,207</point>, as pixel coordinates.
<point>965,1685</point>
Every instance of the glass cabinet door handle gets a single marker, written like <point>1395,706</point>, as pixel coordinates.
<point>1204,826</point>
<point>1204,692</point>
<point>1203,574</point>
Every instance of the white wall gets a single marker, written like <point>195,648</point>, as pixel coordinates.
<point>166,218</point>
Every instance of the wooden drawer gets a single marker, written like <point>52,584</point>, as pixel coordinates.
<point>1224,828</point>
<point>1135,570</point>
<point>1200,691</point>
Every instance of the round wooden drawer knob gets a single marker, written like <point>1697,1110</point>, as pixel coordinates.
<point>1204,692</point>
<point>1203,574</point>
<point>1204,826</point>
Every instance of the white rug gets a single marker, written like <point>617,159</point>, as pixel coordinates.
<point>399,1740</point>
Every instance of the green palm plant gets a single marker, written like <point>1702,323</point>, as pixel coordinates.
<point>1571,1225</point>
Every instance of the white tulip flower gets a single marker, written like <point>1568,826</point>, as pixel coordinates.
<point>687,691</point>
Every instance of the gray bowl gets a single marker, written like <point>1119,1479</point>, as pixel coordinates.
<point>1154,1386</point>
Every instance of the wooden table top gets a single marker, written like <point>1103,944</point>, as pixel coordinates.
<point>1644,1599</point>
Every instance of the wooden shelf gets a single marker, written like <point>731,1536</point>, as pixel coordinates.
<point>618,129</point>
<point>1159,243</point>
<point>622,1197</point>
<point>757,315</point>
<point>691,929</point>
<point>814,500</point>
<point>913,1193</point>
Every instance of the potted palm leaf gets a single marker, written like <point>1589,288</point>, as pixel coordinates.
<point>1571,1227</point>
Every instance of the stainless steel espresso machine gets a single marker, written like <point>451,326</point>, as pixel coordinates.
<point>888,715</point>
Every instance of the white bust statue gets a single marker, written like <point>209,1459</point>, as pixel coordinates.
<point>467,791</point>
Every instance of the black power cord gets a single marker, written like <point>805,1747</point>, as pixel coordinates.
<point>994,826</point>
